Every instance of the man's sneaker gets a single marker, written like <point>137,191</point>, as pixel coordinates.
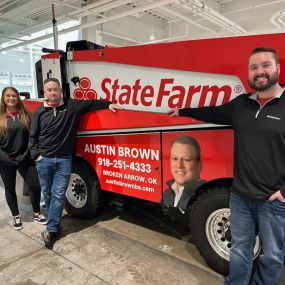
<point>40,218</point>
<point>49,238</point>
<point>17,223</point>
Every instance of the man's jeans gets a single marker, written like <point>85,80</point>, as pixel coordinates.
<point>248,218</point>
<point>54,174</point>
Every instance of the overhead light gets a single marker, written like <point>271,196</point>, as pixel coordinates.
<point>152,37</point>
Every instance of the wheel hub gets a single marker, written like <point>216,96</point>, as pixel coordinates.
<point>76,193</point>
<point>228,235</point>
<point>219,234</point>
<point>78,188</point>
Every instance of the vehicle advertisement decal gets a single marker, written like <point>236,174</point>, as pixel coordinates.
<point>151,89</point>
<point>141,166</point>
<point>125,164</point>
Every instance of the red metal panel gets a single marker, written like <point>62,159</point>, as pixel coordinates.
<point>51,55</point>
<point>221,56</point>
<point>32,105</point>
<point>106,120</point>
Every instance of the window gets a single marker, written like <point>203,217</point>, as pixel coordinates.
<point>17,67</point>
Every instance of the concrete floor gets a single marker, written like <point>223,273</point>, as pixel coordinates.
<point>129,246</point>
<point>113,249</point>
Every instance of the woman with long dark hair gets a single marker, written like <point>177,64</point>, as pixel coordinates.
<point>15,120</point>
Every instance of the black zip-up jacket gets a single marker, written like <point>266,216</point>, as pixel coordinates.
<point>14,146</point>
<point>259,142</point>
<point>189,189</point>
<point>53,130</point>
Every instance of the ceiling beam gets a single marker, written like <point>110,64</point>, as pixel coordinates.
<point>155,4</point>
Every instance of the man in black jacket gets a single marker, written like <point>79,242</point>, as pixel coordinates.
<point>51,144</point>
<point>257,200</point>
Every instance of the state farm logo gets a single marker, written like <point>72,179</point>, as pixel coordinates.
<point>160,93</point>
<point>166,92</point>
<point>84,91</point>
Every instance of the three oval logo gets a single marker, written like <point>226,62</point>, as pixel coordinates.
<point>84,91</point>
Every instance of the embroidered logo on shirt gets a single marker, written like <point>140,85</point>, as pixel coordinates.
<point>273,117</point>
